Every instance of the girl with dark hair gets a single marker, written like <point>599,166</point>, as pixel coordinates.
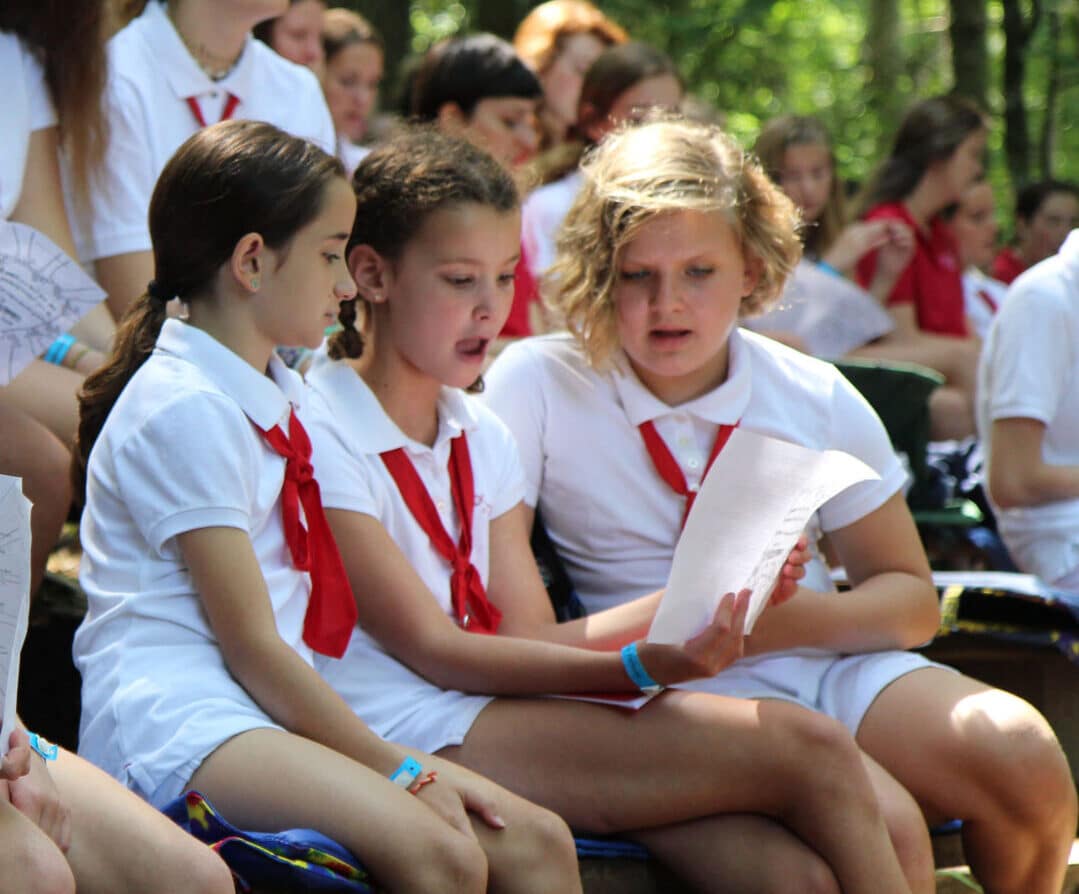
<point>1045,212</point>
<point>477,87</point>
<point>208,594</point>
<point>180,65</point>
<point>937,153</point>
<point>296,34</point>
<point>457,637</point>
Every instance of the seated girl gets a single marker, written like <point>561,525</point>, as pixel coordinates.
<point>674,237</point>
<point>208,596</point>
<point>457,636</point>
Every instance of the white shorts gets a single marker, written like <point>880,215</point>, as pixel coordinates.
<point>840,686</point>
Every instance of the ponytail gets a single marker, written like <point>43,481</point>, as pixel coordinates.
<point>347,342</point>
<point>135,339</point>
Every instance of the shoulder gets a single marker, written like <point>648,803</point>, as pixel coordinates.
<point>541,354</point>
<point>278,75</point>
<point>786,367</point>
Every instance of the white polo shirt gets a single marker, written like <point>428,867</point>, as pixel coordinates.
<point>178,452</point>
<point>982,296</point>
<point>541,215</point>
<point>151,76</point>
<point>27,106</point>
<point>611,517</point>
<point>349,429</point>
<point>1030,369</point>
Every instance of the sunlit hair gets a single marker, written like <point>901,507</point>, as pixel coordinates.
<point>779,135</point>
<point>399,185</point>
<point>543,33</point>
<point>225,181</point>
<point>343,28</point>
<point>930,131</point>
<point>639,173</point>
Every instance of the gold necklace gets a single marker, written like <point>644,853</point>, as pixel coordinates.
<point>214,67</point>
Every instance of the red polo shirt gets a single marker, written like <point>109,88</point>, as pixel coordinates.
<point>1007,265</point>
<point>932,281</point>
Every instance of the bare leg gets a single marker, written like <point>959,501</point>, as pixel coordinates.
<point>120,844</point>
<point>30,451</point>
<point>47,393</point>
<point>688,756</point>
<point>29,862</point>
<point>970,752</point>
<point>906,828</point>
<point>709,855</point>
<point>268,780</point>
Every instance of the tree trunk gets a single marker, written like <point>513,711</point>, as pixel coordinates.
<point>1052,91</point>
<point>970,58</point>
<point>1017,32</point>
<point>884,60</point>
<point>391,18</point>
<point>500,17</point>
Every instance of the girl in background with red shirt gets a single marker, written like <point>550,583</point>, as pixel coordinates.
<point>936,154</point>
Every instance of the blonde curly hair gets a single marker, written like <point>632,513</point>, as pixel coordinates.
<point>647,170</point>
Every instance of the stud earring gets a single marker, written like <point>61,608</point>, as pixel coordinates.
<point>255,283</point>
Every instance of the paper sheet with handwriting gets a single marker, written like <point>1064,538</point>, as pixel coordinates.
<point>43,293</point>
<point>14,595</point>
<point>752,507</point>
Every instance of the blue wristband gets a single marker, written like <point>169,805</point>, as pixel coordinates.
<point>828,268</point>
<point>407,773</point>
<point>58,349</point>
<point>631,661</point>
<point>44,747</point>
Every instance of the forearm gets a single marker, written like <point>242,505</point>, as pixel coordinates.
<point>609,629</point>
<point>892,610</point>
<point>510,665</point>
<point>1034,484</point>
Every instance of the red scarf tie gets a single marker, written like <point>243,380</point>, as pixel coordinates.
<point>331,611</point>
<point>196,109</point>
<point>668,467</point>
<point>474,612</point>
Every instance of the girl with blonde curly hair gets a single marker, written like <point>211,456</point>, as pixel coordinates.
<point>675,237</point>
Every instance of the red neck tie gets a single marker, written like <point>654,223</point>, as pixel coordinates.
<point>668,467</point>
<point>196,109</point>
<point>474,612</point>
<point>331,611</point>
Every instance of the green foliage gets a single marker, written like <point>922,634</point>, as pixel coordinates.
<point>753,59</point>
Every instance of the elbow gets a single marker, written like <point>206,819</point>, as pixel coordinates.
<point>923,623</point>
<point>1009,491</point>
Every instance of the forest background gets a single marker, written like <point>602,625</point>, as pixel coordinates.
<point>856,64</point>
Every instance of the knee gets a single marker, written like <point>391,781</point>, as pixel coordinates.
<point>821,751</point>
<point>1027,768</point>
<point>453,862</point>
<point>539,855</point>
<point>910,839</point>
<point>209,875</point>
<point>806,872</point>
<point>190,867</point>
<point>37,866</point>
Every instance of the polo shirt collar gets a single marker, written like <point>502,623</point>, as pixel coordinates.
<point>265,399</point>
<point>181,71</point>
<point>364,422</point>
<point>724,405</point>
